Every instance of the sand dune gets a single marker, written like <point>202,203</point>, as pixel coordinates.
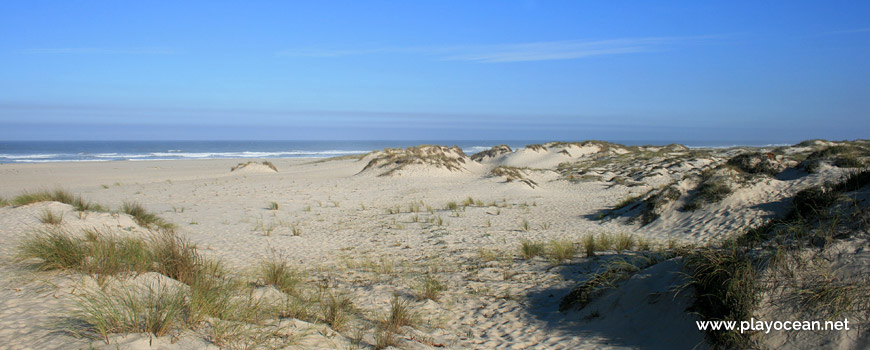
<point>380,230</point>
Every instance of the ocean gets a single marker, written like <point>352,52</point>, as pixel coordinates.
<point>100,151</point>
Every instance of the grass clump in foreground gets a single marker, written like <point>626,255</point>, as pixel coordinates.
<point>335,309</point>
<point>133,310</point>
<point>589,245</point>
<point>725,289</point>
<point>623,241</point>
<point>278,273</point>
<point>145,218</point>
<point>103,254</point>
<point>203,294</point>
<point>561,250</point>
<point>530,249</point>
<point>400,315</point>
<point>429,288</point>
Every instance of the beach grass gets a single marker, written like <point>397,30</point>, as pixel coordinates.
<point>278,273</point>
<point>49,217</point>
<point>530,249</point>
<point>429,287</point>
<point>145,218</point>
<point>561,250</point>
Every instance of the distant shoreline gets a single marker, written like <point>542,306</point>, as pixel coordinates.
<point>24,152</point>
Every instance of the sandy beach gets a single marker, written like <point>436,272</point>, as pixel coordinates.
<point>377,228</point>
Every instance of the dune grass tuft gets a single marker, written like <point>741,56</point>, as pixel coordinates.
<point>429,288</point>
<point>51,218</point>
<point>387,326</point>
<point>725,288</point>
<point>589,245</point>
<point>561,250</point>
<point>608,277</point>
<point>58,249</point>
<point>335,309</point>
<point>273,206</point>
<point>103,254</point>
<point>132,310</point>
<point>175,257</point>
<point>525,225</point>
<point>145,218</point>
<point>604,242</point>
<point>623,241</point>
<point>278,273</point>
<point>530,249</point>
<point>57,195</point>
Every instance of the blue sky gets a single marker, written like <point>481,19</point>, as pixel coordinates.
<point>742,71</point>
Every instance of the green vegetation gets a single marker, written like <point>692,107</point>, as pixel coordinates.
<point>57,195</point>
<point>561,250</point>
<point>725,289</point>
<point>429,288</point>
<point>450,158</point>
<point>711,190</point>
<point>132,310</point>
<point>530,249</point>
<point>145,218</point>
<point>278,273</point>
<point>606,278</point>
<point>623,241</point>
<point>50,218</point>
<point>511,174</point>
<point>589,245</point>
<point>265,162</point>
<point>843,156</point>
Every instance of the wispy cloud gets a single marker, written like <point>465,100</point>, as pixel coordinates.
<point>100,51</point>
<point>516,52</point>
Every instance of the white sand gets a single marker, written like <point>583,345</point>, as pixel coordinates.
<point>344,222</point>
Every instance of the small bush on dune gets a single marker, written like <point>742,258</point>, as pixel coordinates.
<point>400,315</point>
<point>80,204</point>
<point>711,190</point>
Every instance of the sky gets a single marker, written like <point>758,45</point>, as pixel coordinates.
<point>732,71</point>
